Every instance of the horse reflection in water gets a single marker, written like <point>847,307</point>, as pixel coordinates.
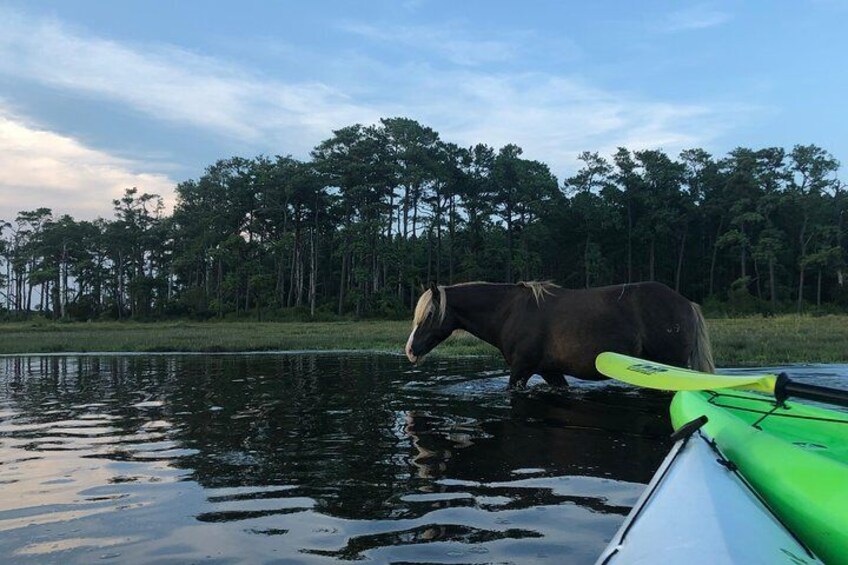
<point>430,461</point>
<point>543,329</point>
<point>578,433</point>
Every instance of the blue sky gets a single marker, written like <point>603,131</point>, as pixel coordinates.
<point>97,96</point>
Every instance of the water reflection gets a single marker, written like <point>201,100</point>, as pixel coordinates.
<point>312,458</point>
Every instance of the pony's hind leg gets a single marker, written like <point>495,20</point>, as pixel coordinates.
<point>555,379</point>
<point>518,379</point>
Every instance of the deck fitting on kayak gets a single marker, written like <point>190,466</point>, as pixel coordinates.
<point>780,392</point>
<point>689,428</point>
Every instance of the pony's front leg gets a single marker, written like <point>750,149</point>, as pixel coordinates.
<point>518,378</point>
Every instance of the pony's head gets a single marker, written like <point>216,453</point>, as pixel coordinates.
<point>431,325</point>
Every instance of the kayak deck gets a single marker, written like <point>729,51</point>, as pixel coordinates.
<point>697,511</point>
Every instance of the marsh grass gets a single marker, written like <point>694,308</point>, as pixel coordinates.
<point>752,341</point>
<point>779,340</point>
<point>52,337</point>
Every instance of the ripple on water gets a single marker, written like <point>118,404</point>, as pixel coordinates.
<point>313,458</point>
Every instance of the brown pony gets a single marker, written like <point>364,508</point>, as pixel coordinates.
<point>543,329</point>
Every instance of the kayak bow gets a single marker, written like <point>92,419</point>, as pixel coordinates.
<point>793,456</point>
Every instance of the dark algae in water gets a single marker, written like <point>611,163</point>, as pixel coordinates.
<point>313,458</point>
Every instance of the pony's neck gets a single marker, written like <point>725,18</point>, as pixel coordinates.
<point>481,309</point>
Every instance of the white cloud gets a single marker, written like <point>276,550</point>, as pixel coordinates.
<point>552,116</point>
<point>457,45</point>
<point>40,168</point>
<point>692,18</point>
<point>555,118</point>
<point>173,84</point>
<point>442,41</point>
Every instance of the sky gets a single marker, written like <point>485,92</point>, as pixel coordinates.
<point>96,97</point>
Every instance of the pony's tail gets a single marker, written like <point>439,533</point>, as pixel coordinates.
<point>701,358</point>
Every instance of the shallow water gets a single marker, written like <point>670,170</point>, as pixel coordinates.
<point>313,458</point>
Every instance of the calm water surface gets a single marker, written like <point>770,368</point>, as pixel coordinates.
<point>315,458</point>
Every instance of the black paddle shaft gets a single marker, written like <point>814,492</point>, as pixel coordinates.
<point>785,387</point>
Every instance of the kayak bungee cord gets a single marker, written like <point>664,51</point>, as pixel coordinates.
<point>715,400</point>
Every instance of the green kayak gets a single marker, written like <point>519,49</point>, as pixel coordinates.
<point>794,456</point>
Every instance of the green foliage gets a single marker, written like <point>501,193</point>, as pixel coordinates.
<point>380,210</point>
<point>740,300</point>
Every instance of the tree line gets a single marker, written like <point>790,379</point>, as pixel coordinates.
<point>379,210</point>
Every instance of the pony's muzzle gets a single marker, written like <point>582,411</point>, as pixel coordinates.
<point>409,354</point>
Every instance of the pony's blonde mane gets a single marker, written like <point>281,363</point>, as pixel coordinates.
<point>539,288</point>
<point>425,304</point>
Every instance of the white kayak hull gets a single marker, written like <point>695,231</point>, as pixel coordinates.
<point>698,511</point>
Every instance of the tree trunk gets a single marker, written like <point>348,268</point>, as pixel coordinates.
<point>29,292</point>
<point>9,289</point>
<point>293,272</point>
<point>247,293</point>
<point>19,290</point>
<point>119,287</point>
<point>757,285</point>
<point>313,272</point>
<point>220,289</point>
<point>375,263</point>
<point>714,258</point>
<point>342,283</point>
<point>415,217</point>
<point>772,290</point>
<point>299,268</point>
<point>679,274</point>
<point>284,289</point>
<point>55,295</point>
<point>652,260</point>
<point>64,269</point>
<point>439,245</point>
<point>629,242</point>
<point>802,267</point>
<point>405,212</point>
<point>509,242</point>
<point>402,243</point>
<point>98,286</point>
<point>452,235</point>
<point>430,255</point>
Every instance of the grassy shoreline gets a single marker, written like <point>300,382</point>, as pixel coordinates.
<point>736,341</point>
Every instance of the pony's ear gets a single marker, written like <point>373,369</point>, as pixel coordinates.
<point>434,292</point>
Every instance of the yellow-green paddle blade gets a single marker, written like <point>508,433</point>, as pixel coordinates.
<point>665,377</point>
